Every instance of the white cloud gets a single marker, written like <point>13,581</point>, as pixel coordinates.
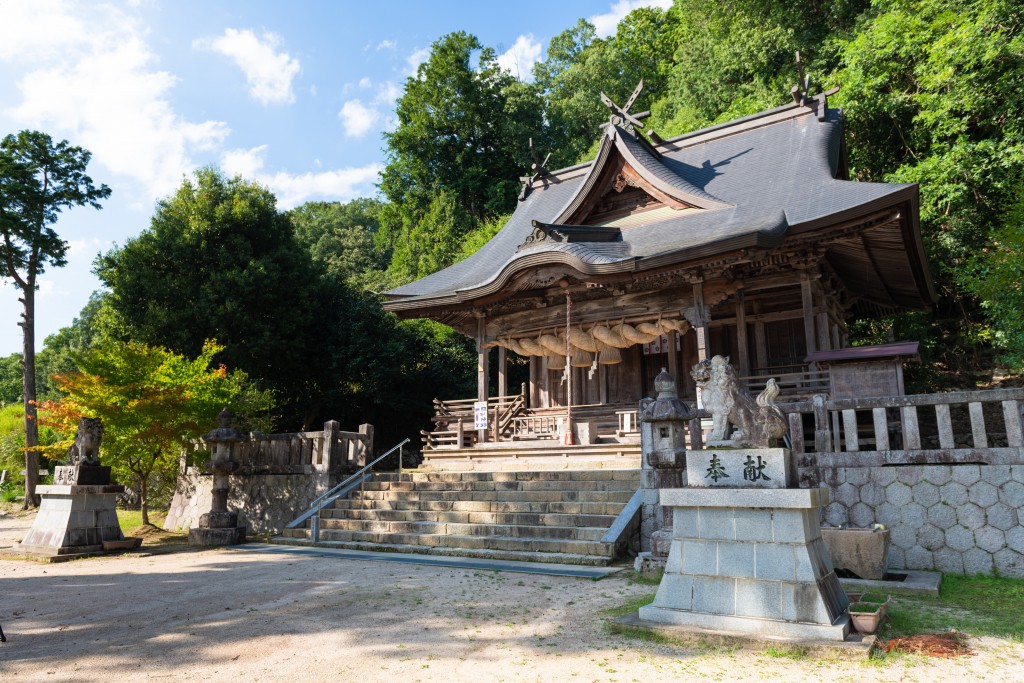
<point>365,82</point>
<point>387,45</point>
<point>269,73</point>
<point>247,163</point>
<point>292,190</point>
<point>387,93</point>
<point>520,58</point>
<point>416,58</point>
<point>357,118</point>
<point>90,77</point>
<point>606,23</point>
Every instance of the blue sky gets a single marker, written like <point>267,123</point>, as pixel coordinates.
<point>294,95</point>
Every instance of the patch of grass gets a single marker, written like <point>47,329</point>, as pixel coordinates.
<point>976,605</point>
<point>9,493</point>
<point>636,633</point>
<point>646,580</point>
<point>132,519</point>
<point>786,652</point>
<point>629,607</point>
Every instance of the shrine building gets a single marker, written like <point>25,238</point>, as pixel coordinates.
<point>746,239</point>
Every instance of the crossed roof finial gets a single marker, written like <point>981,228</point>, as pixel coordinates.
<point>621,115</point>
<point>538,168</point>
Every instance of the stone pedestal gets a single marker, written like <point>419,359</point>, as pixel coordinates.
<point>663,423</point>
<point>220,526</point>
<point>750,562</point>
<point>73,519</point>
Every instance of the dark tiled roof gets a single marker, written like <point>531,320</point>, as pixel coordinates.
<point>774,176</point>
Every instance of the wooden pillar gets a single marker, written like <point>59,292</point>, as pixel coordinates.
<point>482,368</point>
<point>741,336</point>
<point>824,338</point>
<point>808,306</point>
<point>698,318</point>
<point>673,357</point>
<point>760,341</point>
<point>545,383</point>
<point>602,383</point>
<point>502,372</point>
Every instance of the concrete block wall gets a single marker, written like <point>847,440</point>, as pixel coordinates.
<point>265,503</point>
<point>960,519</point>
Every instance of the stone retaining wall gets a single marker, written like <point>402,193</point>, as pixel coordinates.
<point>961,519</point>
<point>265,503</point>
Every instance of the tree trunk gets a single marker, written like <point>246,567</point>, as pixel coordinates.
<point>28,384</point>
<point>143,500</point>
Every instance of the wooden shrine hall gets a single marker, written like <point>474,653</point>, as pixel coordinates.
<point>746,239</point>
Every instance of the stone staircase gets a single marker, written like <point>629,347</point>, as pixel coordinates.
<point>545,516</point>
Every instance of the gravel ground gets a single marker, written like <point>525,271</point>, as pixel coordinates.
<point>223,615</point>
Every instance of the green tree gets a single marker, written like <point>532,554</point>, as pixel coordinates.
<point>931,91</point>
<point>737,58</point>
<point>999,285</point>
<point>340,237</point>
<point>95,324</point>
<point>461,130</point>
<point>151,402</point>
<point>10,380</point>
<point>38,180</point>
<point>579,66</point>
<point>220,262</point>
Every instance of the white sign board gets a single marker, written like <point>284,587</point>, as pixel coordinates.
<point>480,415</point>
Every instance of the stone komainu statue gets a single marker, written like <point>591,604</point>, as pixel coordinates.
<point>86,449</point>
<point>758,423</point>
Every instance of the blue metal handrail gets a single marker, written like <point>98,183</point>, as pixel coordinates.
<point>340,490</point>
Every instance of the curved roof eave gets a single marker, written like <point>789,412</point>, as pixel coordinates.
<point>544,257</point>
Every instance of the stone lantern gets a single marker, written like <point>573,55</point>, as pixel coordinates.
<point>219,526</point>
<point>663,422</point>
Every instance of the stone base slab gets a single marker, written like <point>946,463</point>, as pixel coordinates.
<point>215,537</point>
<point>73,520</point>
<point>50,551</point>
<point>762,628</point>
<point>854,644</point>
<point>749,561</point>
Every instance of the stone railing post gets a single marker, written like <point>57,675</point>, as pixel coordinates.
<point>822,431</point>
<point>364,454</point>
<point>331,459</point>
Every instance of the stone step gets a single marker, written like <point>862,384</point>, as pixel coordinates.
<point>527,507</point>
<point>523,544</point>
<point>486,530</point>
<point>465,486</point>
<point>632,475</point>
<point>489,554</point>
<point>515,518</point>
<point>622,496</point>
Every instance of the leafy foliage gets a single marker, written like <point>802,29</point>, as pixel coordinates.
<point>340,237</point>
<point>151,402</point>
<point>10,379</point>
<point>219,261</point>
<point>931,92</point>
<point>38,180</point>
<point>456,155</point>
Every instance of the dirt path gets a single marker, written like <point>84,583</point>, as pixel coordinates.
<point>225,615</point>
